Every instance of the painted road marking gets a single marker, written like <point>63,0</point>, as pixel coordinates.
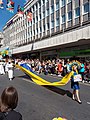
<point>88,103</point>
<point>28,80</point>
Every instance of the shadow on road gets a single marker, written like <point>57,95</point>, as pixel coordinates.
<point>25,76</point>
<point>59,91</point>
<point>52,88</point>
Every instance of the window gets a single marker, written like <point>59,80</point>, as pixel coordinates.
<point>77,2</point>
<point>33,8</point>
<point>57,22</point>
<point>47,26</point>
<point>36,18</point>
<point>28,34</point>
<point>43,28</point>
<point>46,1</point>
<point>63,19</point>
<point>52,8</point>
<point>36,31</point>
<point>86,7</point>
<point>39,4</point>
<point>52,24</point>
<point>43,1</point>
<point>63,2</point>
<point>40,30</point>
<point>43,14</point>
<point>77,12</point>
<point>70,15</point>
<point>39,17</point>
<point>57,5</point>
<point>36,6</point>
<point>33,20</point>
<point>47,12</point>
<point>69,1</point>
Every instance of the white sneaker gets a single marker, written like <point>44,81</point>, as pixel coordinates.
<point>83,81</point>
<point>10,79</point>
<point>59,75</point>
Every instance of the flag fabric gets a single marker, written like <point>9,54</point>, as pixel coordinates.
<point>20,11</point>
<point>10,6</point>
<point>1,4</point>
<point>5,52</point>
<point>40,81</point>
<point>7,48</point>
<point>29,15</point>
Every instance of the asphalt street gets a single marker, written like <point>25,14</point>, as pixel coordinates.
<point>47,102</point>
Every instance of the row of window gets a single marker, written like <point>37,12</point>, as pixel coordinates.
<point>42,2</point>
<point>63,3</point>
<point>70,15</point>
<point>51,10</point>
<point>77,13</point>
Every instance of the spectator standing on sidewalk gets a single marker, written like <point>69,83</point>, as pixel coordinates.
<point>60,68</point>
<point>82,70</point>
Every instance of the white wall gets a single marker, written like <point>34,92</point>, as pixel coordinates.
<point>67,37</point>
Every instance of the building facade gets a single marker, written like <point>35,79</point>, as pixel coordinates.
<point>59,28</point>
<point>1,39</point>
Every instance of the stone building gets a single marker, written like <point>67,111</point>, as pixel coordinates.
<point>59,28</point>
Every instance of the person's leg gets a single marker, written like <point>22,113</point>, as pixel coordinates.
<point>73,94</point>
<point>77,95</point>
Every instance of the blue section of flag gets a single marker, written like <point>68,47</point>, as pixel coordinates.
<point>26,66</point>
<point>7,48</point>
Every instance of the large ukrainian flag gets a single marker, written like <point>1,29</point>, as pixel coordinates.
<point>40,81</point>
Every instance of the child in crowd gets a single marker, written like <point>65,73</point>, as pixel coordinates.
<point>8,102</point>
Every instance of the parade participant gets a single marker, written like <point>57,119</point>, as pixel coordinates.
<point>6,67</point>
<point>10,70</point>
<point>8,102</point>
<point>75,84</point>
<point>2,67</point>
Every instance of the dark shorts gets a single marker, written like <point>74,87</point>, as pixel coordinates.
<point>75,85</point>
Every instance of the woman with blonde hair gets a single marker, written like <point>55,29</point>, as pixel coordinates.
<point>8,102</point>
<point>75,84</point>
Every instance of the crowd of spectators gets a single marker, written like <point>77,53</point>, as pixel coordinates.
<point>59,67</point>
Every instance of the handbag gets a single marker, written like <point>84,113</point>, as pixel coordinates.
<point>77,78</point>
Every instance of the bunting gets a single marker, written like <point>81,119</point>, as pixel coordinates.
<point>1,4</point>
<point>29,15</point>
<point>20,11</point>
<point>10,6</point>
